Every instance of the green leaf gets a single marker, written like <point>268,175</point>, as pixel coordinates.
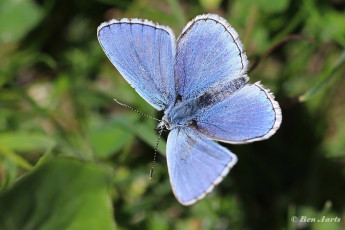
<point>61,194</point>
<point>210,4</point>
<point>272,6</point>
<point>143,130</point>
<point>23,141</point>
<point>9,169</point>
<point>325,80</point>
<point>12,156</point>
<point>266,6</point>
<point>108,138</point>
<point>17,18</point>
<point>178,12</point>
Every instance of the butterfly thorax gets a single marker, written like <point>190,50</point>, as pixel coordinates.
<point>185,112</point>
<point>180,114</point>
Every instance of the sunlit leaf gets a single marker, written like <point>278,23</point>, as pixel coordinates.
<point>210,4</point>
<point>17,18</point>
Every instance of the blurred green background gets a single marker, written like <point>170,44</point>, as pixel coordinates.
<point>71,158</point>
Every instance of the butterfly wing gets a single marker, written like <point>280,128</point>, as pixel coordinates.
<point>249,114</point>
<point>143,52</point>
<point>208,52</point>
<point>196,164</point>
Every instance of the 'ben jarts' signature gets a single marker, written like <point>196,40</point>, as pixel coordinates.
<point>323,219</point>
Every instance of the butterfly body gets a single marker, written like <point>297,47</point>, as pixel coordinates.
<point>186,112</point>
<point>199,80</point>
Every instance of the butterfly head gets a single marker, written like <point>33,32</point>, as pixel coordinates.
<point>168,122</point>
<point>165,124</point>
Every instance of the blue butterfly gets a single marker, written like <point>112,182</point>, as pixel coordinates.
<point>199,80</point>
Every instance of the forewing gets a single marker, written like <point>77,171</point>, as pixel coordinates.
<point>208,52</point>
<point>143,52</point>
<point>196,164</point>
<point>250,114</point>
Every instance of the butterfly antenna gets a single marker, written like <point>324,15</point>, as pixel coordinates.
<point>131,108</point>
<point>159,136</point>
<point>155,155</point>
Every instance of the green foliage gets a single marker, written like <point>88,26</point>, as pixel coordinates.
<point>61,194</point>
<point>71,158</point>
<point>17,12</point>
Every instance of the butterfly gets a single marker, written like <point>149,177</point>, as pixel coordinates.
<point>199,80</point>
